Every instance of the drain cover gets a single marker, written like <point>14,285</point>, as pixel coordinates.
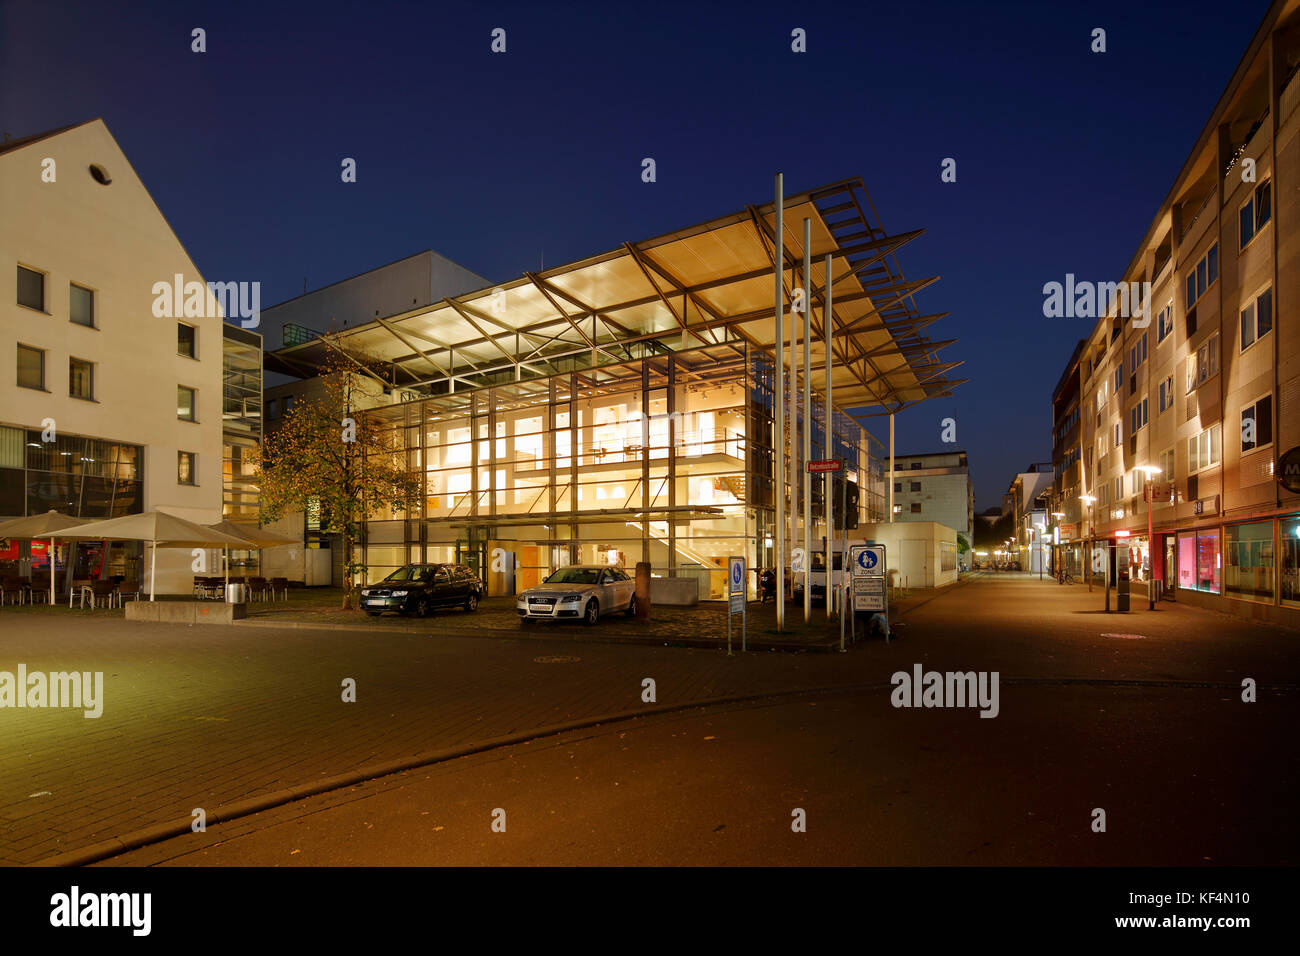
<point>1127,637</point>
<point>557,659</point>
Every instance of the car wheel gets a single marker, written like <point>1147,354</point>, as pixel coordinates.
<point>424,607</point>
<point>471,602</point>
<point>374,613</point>
<point>592,614</point>
<point>631,606</point>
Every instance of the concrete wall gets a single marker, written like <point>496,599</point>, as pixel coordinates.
<point>391,289</point>
<point>114,240</point>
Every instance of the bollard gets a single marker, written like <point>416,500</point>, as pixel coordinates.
<point>643,590</point>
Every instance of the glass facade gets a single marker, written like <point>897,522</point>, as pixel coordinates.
<point>667,459</point>
<point>81,477</point>
<point>241,421</point>
<point>1289,559</point>
<point>1248,561</point>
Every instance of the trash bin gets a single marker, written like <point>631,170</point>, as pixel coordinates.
<point>236,593</point>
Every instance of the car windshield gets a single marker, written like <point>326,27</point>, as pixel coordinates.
<point>410,573</point>
<point>574,576</point>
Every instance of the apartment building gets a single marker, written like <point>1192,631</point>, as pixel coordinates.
<point>1208,390</point>
<point>1067,515</point>
<point>935,487</point>
<point>106,408</point>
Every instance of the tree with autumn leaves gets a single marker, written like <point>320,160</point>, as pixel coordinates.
<point>326,453</point>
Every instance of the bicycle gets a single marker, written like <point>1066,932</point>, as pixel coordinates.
<point>1065,577</point>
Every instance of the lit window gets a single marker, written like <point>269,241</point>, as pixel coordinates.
<point>1255,213</point>
<point>185,470</point>
<point>81,379</point>
<point>186,404</point>
<point>187,340</point>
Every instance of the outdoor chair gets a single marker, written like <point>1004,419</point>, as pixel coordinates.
<point>258,586</point>
<point>125,589</point>
<point>99,592</point>
<point>280,584</point>
<point>13,590</point>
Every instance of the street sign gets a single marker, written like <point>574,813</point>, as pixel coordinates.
<point>870,593</point>
<point>736,591</point>
<point>867,559</point>
<point>825,464</point>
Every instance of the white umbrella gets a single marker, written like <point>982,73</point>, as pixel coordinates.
<point>51,525</point>
<point>252,534</point>
<point>161,530</point>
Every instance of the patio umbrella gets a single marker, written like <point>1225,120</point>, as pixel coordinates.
<point>51,525</point>
<point>161,530</point>
<point>252,534</point>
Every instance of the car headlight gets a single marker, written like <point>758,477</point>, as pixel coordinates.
<point>568,598</point>
<point>365,593</point>
<point>400,593</point>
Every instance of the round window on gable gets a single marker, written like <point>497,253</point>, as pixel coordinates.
<point>100,174</point>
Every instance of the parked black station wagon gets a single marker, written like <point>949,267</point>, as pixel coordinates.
<point>420,588</point>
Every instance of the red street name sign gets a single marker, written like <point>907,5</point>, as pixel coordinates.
<point>827,464</point>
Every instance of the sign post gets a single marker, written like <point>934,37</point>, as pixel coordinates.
<point>870,595</point>
<point>736,599</point>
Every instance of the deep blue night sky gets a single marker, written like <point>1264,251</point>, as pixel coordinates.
<point>498,160</point>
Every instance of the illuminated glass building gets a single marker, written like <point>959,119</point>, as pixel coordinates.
<point>621,408</point>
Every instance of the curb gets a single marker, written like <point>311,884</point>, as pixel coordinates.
<point>823,647</point>
<point>158,832</point>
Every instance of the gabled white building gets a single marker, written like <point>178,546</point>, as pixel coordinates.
<point>106,408</point>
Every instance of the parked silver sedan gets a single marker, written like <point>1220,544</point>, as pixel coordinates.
<point>582,591</point>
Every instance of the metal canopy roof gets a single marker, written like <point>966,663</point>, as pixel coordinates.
<point>707,287</point>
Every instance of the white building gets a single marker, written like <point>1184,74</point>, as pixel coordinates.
<point>105,408</point>
<point>935,487</point>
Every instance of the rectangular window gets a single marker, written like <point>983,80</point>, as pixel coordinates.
<point>1289,556</point>
<point>31,289</point>
<point>1205,450</point>
<point>1138,416</point>
<point>1137,355</point>
<point>1119,435</point>
<point>1208,561</point>
<point>288,404</point>
<point>187,340</point>
<point>1167,393</point>
<point>185,403</point>
<point>31,367</point>
<point>1255,213</point>
<point>81,305</point>
<point>1202,276</point>
<point>1168,471</point>
<point>81,379</point>
<point>916,485</point>
<point>1248,561</point>
<point>898,485</point>
<point>1119,377</point>
<point>1205,364</point>
<point>1257,319</point>
<point>1257,424</point>
<point>1164,323</point>
<point>272,411</point>
<point>185,470</point>
<point>916,507</point>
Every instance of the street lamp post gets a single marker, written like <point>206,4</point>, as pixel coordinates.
<point>1056,550</point>
<point>1090,501</point>
<point>1150,471</point>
